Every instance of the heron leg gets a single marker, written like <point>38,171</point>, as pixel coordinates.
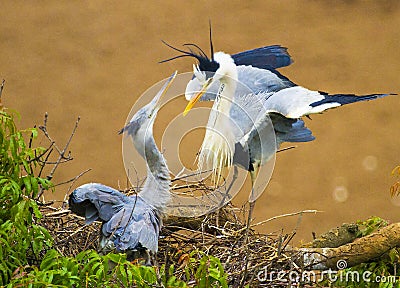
<point>252,203</point>
<point>148,257</point>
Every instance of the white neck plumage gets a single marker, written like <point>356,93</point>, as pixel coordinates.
<point>218,146</point>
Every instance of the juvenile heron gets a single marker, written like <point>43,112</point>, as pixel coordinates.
<point>131,224</point>
<point>273,98</point>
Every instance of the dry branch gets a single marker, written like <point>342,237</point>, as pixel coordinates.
<point>63,156</point>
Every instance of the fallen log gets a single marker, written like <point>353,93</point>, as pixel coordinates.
<point>346,233</point>
<point>365,249</point>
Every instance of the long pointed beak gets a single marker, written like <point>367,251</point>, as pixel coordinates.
<point>196,98</point>
<point>164,90</point>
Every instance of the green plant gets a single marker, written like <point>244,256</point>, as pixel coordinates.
<point>370,225</point>
<point>88,269</point>
<point>22,239</point>
<point>206,270</point>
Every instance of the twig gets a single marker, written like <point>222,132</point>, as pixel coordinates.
<point>57,213</point>
<point>285,215</point>
<point>61,153</point>
<point>286,148</point>
<point>190,175</point>
<point>1,92</point>
<point>73,180</point>
<point>43,128</point>
<point>43,163</point>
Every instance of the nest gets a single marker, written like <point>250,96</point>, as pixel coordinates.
<point>221,234</point>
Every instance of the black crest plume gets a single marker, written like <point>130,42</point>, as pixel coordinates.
<point>211,44</point>
<point>205,63</point>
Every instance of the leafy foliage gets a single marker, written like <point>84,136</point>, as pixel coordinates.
<point>202,269</point>
<point>88,269</point>
<point>22,239</point>
<point>370,225</point>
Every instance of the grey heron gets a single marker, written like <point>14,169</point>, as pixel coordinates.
<point>131,224</point>
<point>273,98</point>
<point>267,59</point>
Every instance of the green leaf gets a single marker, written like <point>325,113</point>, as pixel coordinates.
<point>13,147</point>
<point>28,186</point>
<point>34,133</point>
<point>49,260</point>
<point>35,187</point>
<point>116,258</point>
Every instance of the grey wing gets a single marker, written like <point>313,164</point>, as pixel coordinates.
<point>250,79</point>
<point>290,130</point>
<point>255,80</point>
<point>259,144</point>
<point>245,112</point>
<point>94,201</point>
<point>266,135</point>
<point>135,225</point>
<point>253,89</point>
<point>251,109</point>
<point>251,98</point>
<point>285,129</point>
<point>288,105</point>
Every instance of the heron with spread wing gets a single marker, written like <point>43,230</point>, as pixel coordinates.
<point>131,224</point>
<point>252,98</point>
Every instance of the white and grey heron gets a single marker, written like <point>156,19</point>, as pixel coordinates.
<point>273,98</point>
<point>131,224</point>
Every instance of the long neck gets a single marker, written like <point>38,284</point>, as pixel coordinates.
<point>219,141</point>
<point>155,190</point>
<point>223,102</point>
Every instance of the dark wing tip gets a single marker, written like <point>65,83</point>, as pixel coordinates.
<point>267,57</point>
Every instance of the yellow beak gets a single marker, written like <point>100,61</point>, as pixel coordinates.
<point>196,98</point>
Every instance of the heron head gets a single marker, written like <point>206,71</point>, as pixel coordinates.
<point>144,118</point>
<point>203,70</point>
<point>225,69</point>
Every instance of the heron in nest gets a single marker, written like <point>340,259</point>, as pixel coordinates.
<point>131,224</point>
<point>251,98</point>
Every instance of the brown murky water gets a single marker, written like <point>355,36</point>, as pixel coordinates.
<point>94,58</point>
